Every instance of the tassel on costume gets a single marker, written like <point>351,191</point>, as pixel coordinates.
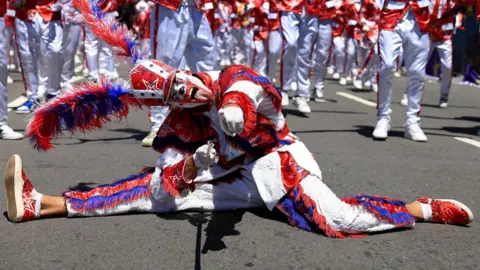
<point>86,108</point>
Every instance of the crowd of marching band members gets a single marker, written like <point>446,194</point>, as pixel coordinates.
<point>295,43</point>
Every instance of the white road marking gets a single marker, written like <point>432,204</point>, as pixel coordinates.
<point>357,99</point>
<point>469,141</point>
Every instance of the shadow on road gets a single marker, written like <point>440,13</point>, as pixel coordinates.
<point>299,114</point>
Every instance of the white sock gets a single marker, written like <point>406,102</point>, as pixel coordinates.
<point>37,198</point>
<point>427,211</point>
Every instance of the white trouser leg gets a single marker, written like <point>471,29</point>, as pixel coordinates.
<point>445,51</point>
<point>416,48</point>
<point>29,72</point>
<point>5,36</point>
<point>91,51</point>
<point>399,61</point>
<point>306,40</point>
<point>390,43</point>
<point>51,36</point>
<point>274,51</point>
<point>248,43</point>
<point>350,56</point>
<point>339,215</point>
<point>339,44</point>
<point>324,42</point>
<point>71,40</point>
<point>290,30</point>
<point>260,60</point>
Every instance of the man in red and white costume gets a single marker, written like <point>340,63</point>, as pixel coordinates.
<point>185,24</point>
<point>225,146</point>
<point>299,20</point>
<point>444,19</point>
<point>322,48</point>
<point>142,26</point>
<point>260,36</point>
<point>49,41</point>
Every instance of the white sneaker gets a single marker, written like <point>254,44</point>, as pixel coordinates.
<point>354,71</point>
<point>7,133</point>
<point>414,132</point>
<point>382,128</point>
<point>294,87</point>
<point>404,101</point>
<point>358,83</point>
<point>349,80</point>
<point>9,80</point>
<point>78,68</point>
<point>284,99</point>
<point>319,95</point>
<point>148,140</point>
<point>336,76</point>
<point>368,84</point>
<point>301,103</point>
<point>443,101</point>
<point>375,87</point>
<point>343,81</point>
<point>397,74</point>
<point>330,70</point>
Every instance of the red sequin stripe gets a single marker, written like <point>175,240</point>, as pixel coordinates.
<point>292,173</point>
<point>108,191</point>
<point>249,111</point>
<point>28,203</point>
<point>173,181</point>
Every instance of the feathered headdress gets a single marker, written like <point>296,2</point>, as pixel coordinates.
<point>108,29</point>
<point>88,106</point>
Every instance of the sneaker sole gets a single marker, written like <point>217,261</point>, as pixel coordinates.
<point>23,112</point>
<point>410,138</point>
<point>461,206</point>
<point>320,100</point>
<point>14,186</point>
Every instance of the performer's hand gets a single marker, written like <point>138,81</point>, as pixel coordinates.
<point>205,156</point>
<point>231,120</point>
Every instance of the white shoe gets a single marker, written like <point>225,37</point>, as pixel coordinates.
<point>78,68</point>
<point>330,70</point>
<point>9,80</point>
<point>414,132</point>
<point>336,76</point>
<point>349,80</point>
<point>375,87</point>
<point>397,75</point>
<point>148,140</point>
<point>354,71</point>
<point>343,81</point>
<point>358,83</point>
<point>85,72</point>
<point>368,84</point>
<point>301,103</point>
<point>7,133</point>
<point>222,63</point>
<point>382,128</point>
<point>228,62</point>
<point>319,95</point>
<point>284,99</point>
<point>443,101</point>
<point>404,101</point>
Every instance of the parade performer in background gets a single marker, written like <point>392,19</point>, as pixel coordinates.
<point>225,145</point>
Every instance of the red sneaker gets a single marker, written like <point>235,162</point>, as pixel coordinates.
<point>449,211</point>
<point>21,206</point>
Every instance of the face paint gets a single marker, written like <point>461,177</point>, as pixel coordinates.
<point>188,91</point>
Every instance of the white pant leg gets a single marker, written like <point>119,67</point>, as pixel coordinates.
<point>390,43</point>
<point>290,31</point>
<point>51,36</point>
<point>274,51</point>
<point>416,48</point>
<point>339,45</point>
<point>200,49</point>
<point>399,61</point>
<point>308,35</point>
<point>91,50</point>
<point>29,71</point>
<point>145,47</point>
<point>340,216</point>
<point>248,43</point>
<point>445,51</point>
<point>374,66</point>
<point>5,36</point>
<point>260,57</point>
<point>349,56</point>
<point>71,40</point>
<point>324,42</point>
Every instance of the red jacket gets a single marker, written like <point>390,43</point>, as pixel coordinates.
<point>25,12</point>
<point>273,17</point>
<point>443,14</point>
<point>49,10</point>
<point>326,9</point>
<point>394,10</point>
<point>175,4</point>
<point>312,7</point>
<point>347,19</point>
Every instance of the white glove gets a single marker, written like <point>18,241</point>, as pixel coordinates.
<point>231,120</point>
<point>205,156</point>
<point>250,6</point>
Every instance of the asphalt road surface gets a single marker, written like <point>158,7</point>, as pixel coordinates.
<point>338,132</point>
